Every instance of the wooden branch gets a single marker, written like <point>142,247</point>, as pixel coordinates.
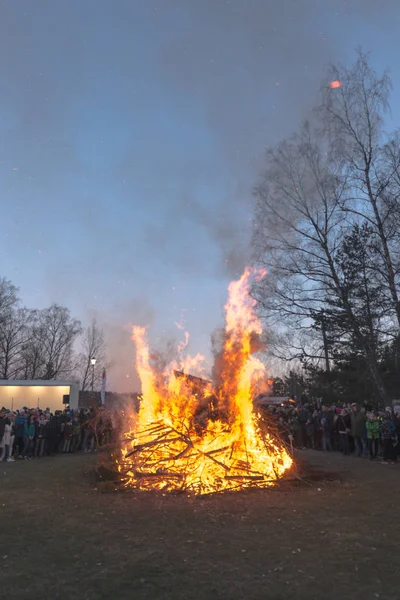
<point>218,450</point>
<point>163,475</point>
<point>158,425</point>
<point>159,441</point>
<point>178,456</point>
<point>221,464</point>
<point>250,477</point>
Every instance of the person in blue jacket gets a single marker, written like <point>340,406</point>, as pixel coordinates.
<point>29,436</point>
<point>20,421</point>
<point>388,433</point>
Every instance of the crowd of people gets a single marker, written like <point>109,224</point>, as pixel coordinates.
<point>28,434</point>
<point>349,429</point>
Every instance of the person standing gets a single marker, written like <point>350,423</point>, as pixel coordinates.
<point>29,437</point>
<point>310,434</point>
<point>20,421</point>
<point>5,438</point>
<point>302,416</point>
<point>67,436</point>
<point>358,419</point>
<point>52,435</point>
<point>373,433</point>
<point>76,434</point>
<point>41,433</point>
<point>326,439</point>
<point>388,432</point>
<point>344,428</point>
<point>326,420</point>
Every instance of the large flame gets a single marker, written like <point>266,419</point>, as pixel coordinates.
<point>204,438</point>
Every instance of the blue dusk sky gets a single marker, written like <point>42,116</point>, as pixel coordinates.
<point>131,134</point>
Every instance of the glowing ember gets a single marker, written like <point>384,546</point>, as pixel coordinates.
<point>335,84</point>
<point>194,435</point>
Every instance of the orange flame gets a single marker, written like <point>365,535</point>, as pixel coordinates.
<point>335,84</point>
<point>197,436</point>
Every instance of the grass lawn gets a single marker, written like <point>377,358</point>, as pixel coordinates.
<point>61,537</point>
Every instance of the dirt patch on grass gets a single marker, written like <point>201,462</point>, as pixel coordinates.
<point>333,534</point>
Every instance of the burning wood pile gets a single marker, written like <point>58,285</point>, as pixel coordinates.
<point>204,438</point>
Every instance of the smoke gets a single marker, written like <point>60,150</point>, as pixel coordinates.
<point>235,67</point>
<point>117,329</point>
<point>249,72</point>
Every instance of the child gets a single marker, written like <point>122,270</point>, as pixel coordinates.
<point>372,426</point>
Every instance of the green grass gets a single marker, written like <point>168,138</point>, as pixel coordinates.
<point>63,537</point>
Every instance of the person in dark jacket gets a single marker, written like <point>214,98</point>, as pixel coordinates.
<point>344,428</point>
<point>76,434</point>
<point>61,420</point>
<point>388,433</point>
<point>20,421</point>
<point>29,437</point>
<point>310,434</point>
<point>41,434</point>
<point>53,435</point>
<point>358,430</point>
<point>302,416</point>
<point>317,430</point>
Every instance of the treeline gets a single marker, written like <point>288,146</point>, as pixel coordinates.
<point>43,344</point>
<point>328,232</point>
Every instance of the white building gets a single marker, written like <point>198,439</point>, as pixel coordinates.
<point>43,394</point>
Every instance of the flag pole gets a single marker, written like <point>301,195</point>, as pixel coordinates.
<point>103,387</point>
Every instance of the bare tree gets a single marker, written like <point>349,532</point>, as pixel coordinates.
<point>93,346</point>
<point>35,344</point>
<point>300,226</point>
<point>8,327</point>
<point>8,297</point>
<point>31,360</point>
<point>14,334</point>
<point>32,355</point>
<point>53,334</point>
<point>370,161</point>
<point>329,207</point>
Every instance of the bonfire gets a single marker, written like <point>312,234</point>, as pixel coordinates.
<point>204,438</point>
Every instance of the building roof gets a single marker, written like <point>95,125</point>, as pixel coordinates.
<point>36,382</point>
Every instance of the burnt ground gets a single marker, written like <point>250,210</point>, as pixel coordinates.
<point>62,536</point>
